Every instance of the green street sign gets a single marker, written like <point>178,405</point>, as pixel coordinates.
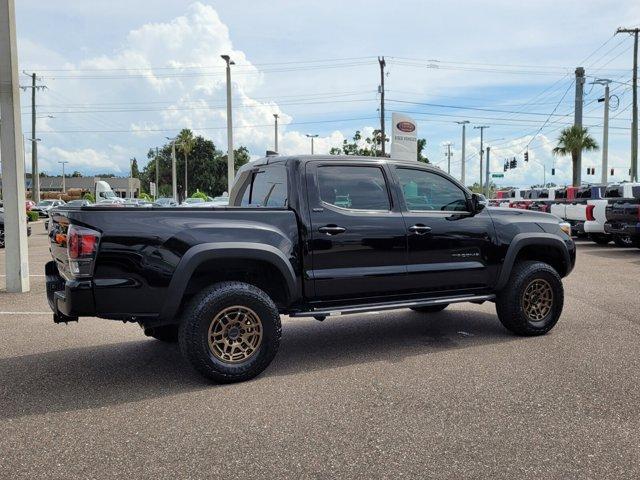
<point>497,175</point>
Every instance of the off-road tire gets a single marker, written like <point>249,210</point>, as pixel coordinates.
<point>510,302</point>
<point>198,316</point>
<point>166,333</point>
<point>430,308</point>
<point>623,241</point>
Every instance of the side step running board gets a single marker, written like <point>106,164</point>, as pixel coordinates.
<point>374,307</point>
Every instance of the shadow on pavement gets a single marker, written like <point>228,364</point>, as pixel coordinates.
<point>619,253</point>
<point>97,376</point>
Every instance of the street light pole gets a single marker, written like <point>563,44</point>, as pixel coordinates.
<point>312,137</point>
<point>64,183</point>
<point>174,180</point>
<point>481,128</point>
<point>464,144</point>
<point>230,159</point>
<point>605,130</point>
<point>275,116</point>
<point>155,195</point>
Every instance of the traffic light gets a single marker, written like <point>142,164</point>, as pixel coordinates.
<point>506,167</point>
<point>612,172</point>
<point>553,171</point>
<point>526,156</point>
<point>513,163</point>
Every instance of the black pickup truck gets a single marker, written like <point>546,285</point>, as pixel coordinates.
<point>305,236</point>
<point>623,219</point>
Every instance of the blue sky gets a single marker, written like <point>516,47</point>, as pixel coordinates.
<point>122,76</point>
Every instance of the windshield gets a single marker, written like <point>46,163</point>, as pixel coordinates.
<point>45,203</point>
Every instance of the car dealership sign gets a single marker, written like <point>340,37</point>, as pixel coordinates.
<point>404,144</point>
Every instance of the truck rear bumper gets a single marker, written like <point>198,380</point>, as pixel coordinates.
<point>68,299</point>
<point>631,229</point>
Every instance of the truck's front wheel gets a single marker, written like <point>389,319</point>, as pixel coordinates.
<point>532,301</point>
<point>230,332</point>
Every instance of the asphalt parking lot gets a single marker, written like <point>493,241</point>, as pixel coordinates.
<point>387,395</point>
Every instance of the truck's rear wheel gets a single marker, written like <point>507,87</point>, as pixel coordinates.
<point>230,332</point>
<point>532,301</point>
<point>431,308</point>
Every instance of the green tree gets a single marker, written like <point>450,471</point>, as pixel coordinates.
<point>76,174</point>
<point>572,141</point>
<point>135,171</point>
<point>422,143</point>
<point>359,145</point>
<point>207,168</point>
<point>185,143</point>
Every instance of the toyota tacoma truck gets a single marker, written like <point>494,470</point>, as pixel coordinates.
<point>623,216</point>
<point>305,236</point>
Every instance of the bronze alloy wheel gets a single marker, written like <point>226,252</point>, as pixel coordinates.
<point>235,334</point>
<point>537,300</point>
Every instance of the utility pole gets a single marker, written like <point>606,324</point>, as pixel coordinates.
<point>382,131</point>
<point>155,196</point>
<point>64,180</point>
<point>230,160</point>
<point>487,171</point>
<point>35,178</point>
<point>174,180</point>
<point>634,115</point>
<point>577,121</point>
<point>448,155</point>
<point>15,224</point>
<point>312,137</point>
<point>275,116</point>
<point>605,132</point>
<point>464,144</point>
<point>481,128</point>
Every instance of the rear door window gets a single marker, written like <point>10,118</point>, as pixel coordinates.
<point>353,187</point>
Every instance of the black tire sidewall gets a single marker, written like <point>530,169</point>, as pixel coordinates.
<point>510,302</point>
<point>194,341</point>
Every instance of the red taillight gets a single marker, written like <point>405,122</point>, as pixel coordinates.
<point>590,216</point>
<point>82,246</point>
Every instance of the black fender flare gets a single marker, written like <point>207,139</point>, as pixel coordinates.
<point>203,252</point>
<point>521,240</point>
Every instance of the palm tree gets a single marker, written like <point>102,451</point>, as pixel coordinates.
<point>572,141</point>
<point>186,144</point>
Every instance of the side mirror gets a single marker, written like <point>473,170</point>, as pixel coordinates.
<point>478,202</point>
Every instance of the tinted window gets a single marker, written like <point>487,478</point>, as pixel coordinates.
<point>425,191</point>
<point>543,194</point>
<point>359,188</point>
<point>267,187</point>
<point>613,192</point>
<point>584,193</point>
<point>562,193</point>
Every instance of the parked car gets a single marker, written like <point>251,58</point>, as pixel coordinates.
<point>309,236</point>
<point>79,203</point>
<point>29,204</point>
<point>165,202</point>
<point>2,229</point>
<point>192,201</point>
<point>44,206</point>
<point>114,201</point>
<point>623,217</point>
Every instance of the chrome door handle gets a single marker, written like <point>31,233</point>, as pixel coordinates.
<point>419,229</point>
<point>332,229</point>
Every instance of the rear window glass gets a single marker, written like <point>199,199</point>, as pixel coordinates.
<point>583,193</point>
<point>268,188</point>
<point>613,192</point>
<point>562,193</point>
<point>543,194</point>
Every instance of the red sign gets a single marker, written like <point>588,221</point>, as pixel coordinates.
<point>406,127</point>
